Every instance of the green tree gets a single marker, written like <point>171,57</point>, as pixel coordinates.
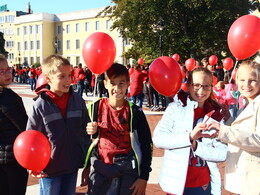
<point>191,28</point>
<point>2,45</point>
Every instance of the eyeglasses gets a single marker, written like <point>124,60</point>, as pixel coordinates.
<point>197,86</point>
<point>5,71</point>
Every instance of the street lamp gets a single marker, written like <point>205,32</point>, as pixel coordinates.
<point>19,59</point>
<point>160,26</point>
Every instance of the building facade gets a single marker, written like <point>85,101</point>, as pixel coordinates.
<point>36,36</point>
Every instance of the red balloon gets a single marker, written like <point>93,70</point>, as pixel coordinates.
<point>244,37</point>
<point>176,57</point>
<point>228,63</point>
<point>140,61</point>
<point>165,75</point>
<point>130,71</point>
<point>190,64</point>
<point>41,82</point>
<point>99,52</point>
<point>81,76</point>
<point>32,150</point>
<point>213,60</point>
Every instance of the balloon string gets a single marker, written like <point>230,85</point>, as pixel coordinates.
<point>233,71</point>
<point>93,101</point>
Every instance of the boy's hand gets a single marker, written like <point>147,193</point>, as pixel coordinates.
<point>92,128</point>
<point>37,174</point>
<point>139,187</point>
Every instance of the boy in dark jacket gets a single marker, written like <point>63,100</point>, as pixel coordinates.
<point>13,119</point>
<point>122,151</point>
<point>61,115</point>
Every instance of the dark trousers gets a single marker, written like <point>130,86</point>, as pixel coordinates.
<point>81,87</point>
<point>13,179</point>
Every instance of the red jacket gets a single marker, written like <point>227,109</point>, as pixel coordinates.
<point>136,85</point>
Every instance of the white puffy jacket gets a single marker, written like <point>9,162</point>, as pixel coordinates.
<point>172,134</point>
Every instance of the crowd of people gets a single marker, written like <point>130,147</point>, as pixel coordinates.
<point>214,119</point>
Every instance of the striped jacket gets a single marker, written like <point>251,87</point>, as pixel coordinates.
<point>68,137</point>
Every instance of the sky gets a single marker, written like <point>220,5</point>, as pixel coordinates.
<point>54,6</point>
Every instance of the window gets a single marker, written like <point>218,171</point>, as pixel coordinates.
<point>87,27</point>
<point>18,46</point>
<point>9,18</point>
<point>38,46</point>
<point>77,44</point>
<point>77,27</point>
<point>37,29</point>
<point>2,19</point>
<point>9,44</point>
<point>32,60</point>
<point>38,59</point>
<point>9,31</point>
<point>18,31</point>
<point>127,41</point>
<point>68,58</point>
<point>59,30</point>
<point>10,56</point>
<point>67,28</point>
<point>25,45</point>
<point>31,44</point>
<point>108,24</point>
<point>68,45</point>
<point>97,25</point>
<point>77,59</point>
<point>59,45</point>
<point>31,29</point>
<point>24,30</point>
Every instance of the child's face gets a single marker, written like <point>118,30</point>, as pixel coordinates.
<point>60,81</point>
<point>5,73</point>
<point>248,83</point>
<point>197,92</point>
<point>117,87</point>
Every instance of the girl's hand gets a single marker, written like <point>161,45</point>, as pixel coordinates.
<point>37,174</point>
<point>92,128</point>
<point>197,132</point>
<point>213,125</point>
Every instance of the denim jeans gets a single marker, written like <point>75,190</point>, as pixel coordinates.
<point>140,98</point>
<point>59,185</point>
<point>81,87</point>
<point>32,82</point>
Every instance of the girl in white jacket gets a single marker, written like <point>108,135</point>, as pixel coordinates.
<point>189,165</point>
<point>243,136</point>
